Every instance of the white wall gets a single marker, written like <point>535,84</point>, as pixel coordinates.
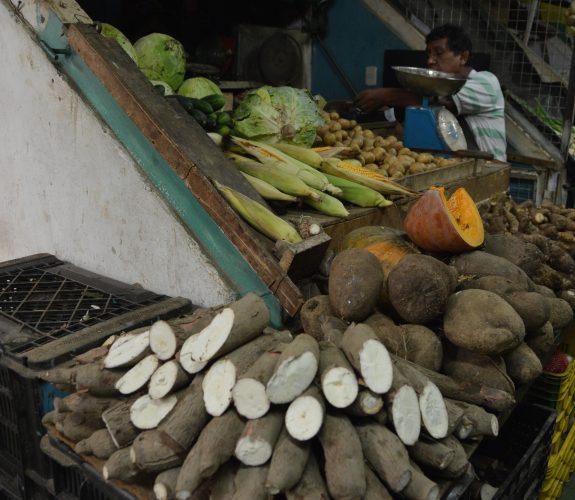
<point>68,187</point>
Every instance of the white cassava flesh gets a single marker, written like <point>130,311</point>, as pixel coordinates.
<point>188,364</point>
<point>127,348</point>
<point>256,444</point>
<point>163,342</point>
<point>147,413</point>
<point>339,387</point>
<point>204,345</point>
<point>165,379</point>
<point>137,376</point>
<point>292,377</point>
<point>217,386</point>
<point>406,415</point>
<point>304,418</point>
<point>433,411</point>
<point>250,398</point>
<point>376,366</point>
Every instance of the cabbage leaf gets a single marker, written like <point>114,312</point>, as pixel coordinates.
<point>278,114</point>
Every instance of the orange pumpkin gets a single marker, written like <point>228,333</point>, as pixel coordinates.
<point>438,224</point>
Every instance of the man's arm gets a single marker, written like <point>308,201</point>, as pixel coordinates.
<point>372,99</point>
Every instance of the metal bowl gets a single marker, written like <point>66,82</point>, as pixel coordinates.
<point>428,81</point>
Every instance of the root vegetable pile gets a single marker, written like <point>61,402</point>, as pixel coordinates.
<point>375,399</point>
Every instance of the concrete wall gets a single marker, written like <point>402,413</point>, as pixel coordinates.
<point>68,187</point>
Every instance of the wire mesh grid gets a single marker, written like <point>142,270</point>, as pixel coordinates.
<point>49,306</point>
<point>530,49</point>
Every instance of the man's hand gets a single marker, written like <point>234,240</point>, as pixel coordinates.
<point>371,99</point>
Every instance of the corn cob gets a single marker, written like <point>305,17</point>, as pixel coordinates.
<point>359,195</point>
<point>339,151</point>
<point>305,155</point>
<point>259,216</point>
<point>363,176</point>
<point>327,205</point>
<point>267,191</point>
<point>268,154</point>
<point>285,182</point>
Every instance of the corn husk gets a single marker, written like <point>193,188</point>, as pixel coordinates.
<point>359,195</point>
<point>381,185</point>
<point>267,191</point>
<point>269,155</point>
<point>327,205</point>
<point>259,216</point>
<point>270,173</point>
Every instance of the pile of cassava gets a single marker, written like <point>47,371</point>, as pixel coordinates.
<point>400,364</point>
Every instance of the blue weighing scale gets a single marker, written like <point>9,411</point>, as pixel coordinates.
<point>431,127</point>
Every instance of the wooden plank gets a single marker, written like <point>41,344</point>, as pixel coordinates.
<point>185,147</point>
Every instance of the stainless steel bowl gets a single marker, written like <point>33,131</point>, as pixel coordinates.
<point>428,81</point>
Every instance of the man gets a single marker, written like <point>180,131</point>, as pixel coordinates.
<point>480,101</point>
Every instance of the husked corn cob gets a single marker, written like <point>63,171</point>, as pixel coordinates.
<point>327,205</point>
<point>267,191</point>
<point>359,195</point>
<point>285,182</point>
<point>268,154</point>
<point>259,216</point>
<point>363,176</point>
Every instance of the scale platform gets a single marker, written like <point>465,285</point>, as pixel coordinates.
<point>429,126</point>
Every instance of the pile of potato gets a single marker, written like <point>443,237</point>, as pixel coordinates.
<point>386,155</point>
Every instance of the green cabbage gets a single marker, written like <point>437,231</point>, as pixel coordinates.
<point>278,114</point>
<point>198,87</point>
<point>110,31</point>
<point>161,57</point>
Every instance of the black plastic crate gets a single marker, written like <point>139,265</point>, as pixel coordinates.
<point>516,461</point>
<point>51,311</point>
<point>75,479</point>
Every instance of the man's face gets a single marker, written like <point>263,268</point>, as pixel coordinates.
<point>441,58</point>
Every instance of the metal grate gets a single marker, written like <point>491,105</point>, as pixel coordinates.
<point>529,45</point>
<point>47,305</point>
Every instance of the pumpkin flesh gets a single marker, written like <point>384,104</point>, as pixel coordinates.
<point>437,224</point>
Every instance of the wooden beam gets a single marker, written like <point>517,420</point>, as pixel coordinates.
<point>185,147</point>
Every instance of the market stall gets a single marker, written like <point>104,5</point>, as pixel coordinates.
<point>406,343</point>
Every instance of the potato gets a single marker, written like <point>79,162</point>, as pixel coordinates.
<point>523,254</point>
<point>483,322</point>
<point>419,286</point>
<point>543,343</point>
<point>569,297</point>
<point>416,168</point>
<point>334,126</point>
<point>391,335</point>
<point>378,153</point>
<point>546,292</point>
<point>522,364</point>
<point>345,124</point>
<point>424,158</point>
<point>329,139</point>
<point>561,313</point>
<point>492,283</point>
<point>415,343</point>
<point>355,283</point>
<point>312,313</point>
<point>404,151</point>
<point>466,366</point>
<point>549,277</point>
<point>533,308</point>
<point>424,347</point>
<point>480,263</point>
<point>334,115</point>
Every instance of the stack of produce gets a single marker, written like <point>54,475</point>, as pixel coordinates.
<point>404,359</point>
<point>287,173</point>
<point>549,235</point>
<point>387,156</point>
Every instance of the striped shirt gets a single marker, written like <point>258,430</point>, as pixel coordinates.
<point>480,101</point>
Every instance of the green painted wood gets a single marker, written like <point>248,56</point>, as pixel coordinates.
<point>224,254</point>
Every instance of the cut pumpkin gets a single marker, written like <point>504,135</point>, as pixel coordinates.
<point>438,224</point>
